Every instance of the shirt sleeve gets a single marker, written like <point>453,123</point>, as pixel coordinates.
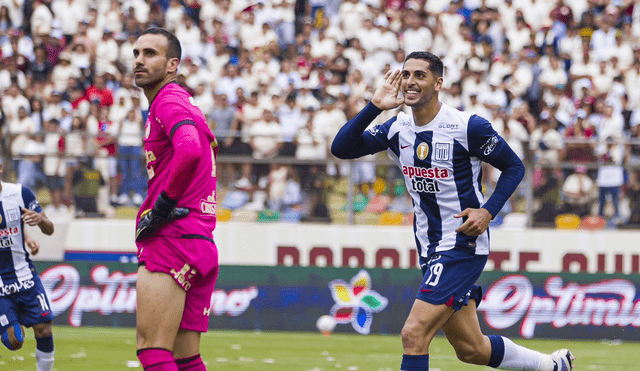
<point>488,146</point>
<point>30,200</point>
<point>352,141</point>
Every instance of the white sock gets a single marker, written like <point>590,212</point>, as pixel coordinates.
<point>519,358</point>
<point>44,360</point>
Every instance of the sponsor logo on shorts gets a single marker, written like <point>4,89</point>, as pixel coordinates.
<point>16,287</point>
<point>184,276</point>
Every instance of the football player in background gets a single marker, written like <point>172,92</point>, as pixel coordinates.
<point>23,300</point>
<point>440,151</point>
<point>177,256</point>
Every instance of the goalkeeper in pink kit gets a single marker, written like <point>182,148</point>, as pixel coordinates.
<point>177,255</point>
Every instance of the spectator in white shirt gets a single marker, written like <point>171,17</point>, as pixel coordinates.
<point>69,13</point>
<point>41,19</point>
<point>173,16</point>
<point>306,100</point>
<point>547,144</point>
<point>603,80</point>
<point>12,101</point>
<point>291,118</point>
<point>322,47</point>
<point>288,79</point>
<point>266,68</point>
<point>11,72</point>
<point>605,36</point>
<point>520,37</point>
<point>231,82</point>
<point>583,68</point>
<point>369,36</point>
<point>495,98</point>
<point>416,37</point>
<point>554,74</point>
<point>189,35</point>
<point>352,14</point>
<point>106,52</point>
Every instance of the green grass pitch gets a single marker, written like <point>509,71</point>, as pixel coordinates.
<point>107,349</point>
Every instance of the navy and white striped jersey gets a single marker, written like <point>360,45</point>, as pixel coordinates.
<point>16,269</point>
<point>442,167</point>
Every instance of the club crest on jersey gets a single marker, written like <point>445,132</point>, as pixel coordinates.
<point>12,215</point>
<point>441,151</point>
<point>422,151</point>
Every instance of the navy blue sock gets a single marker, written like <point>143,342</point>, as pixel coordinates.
<point>497,350</point>
<point>415,363</point>
<point>45,344</point>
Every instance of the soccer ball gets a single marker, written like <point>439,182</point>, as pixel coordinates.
<point>326,324</point>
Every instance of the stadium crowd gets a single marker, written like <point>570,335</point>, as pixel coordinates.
<point>278,78</point>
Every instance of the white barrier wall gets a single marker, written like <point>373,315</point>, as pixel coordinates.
<point>534,250</point>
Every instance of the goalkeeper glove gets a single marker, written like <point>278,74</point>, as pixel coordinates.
<point>163,212</point>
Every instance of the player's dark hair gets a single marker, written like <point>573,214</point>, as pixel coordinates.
<point>174,50</point>
<point>435,63</point>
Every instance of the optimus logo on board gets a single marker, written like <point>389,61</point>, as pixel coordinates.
<point>115,293</point>
<point>609,302</point>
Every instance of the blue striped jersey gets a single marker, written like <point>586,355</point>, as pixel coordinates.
<point>442,167</point>
<point>16,269</point>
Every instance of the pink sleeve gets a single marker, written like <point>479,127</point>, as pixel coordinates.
<point>187,150</point>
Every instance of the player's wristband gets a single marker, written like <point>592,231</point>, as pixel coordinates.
<point>164,205</point>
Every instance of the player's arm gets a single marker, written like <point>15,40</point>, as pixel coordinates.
<point>491,148</point>
<point>187,148</point>
<point>33,245</point>
<point>488,146</point>
<point>33,215</point>
<point>350,142</point>
<point>39,219</point>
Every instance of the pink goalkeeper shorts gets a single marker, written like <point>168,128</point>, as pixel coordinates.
<point>193,263</point>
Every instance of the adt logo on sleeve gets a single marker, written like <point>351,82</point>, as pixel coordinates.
<point>33,205</point>
<point>490,145</point>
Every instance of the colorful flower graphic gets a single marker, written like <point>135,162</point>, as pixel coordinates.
<point>356,302</point>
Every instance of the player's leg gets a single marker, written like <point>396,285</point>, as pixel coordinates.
<point>471,346</point>
<point>424,320</point>
<point>160,303</point>
<point>45,354</point>
<point>447,282</point>
<point>35,311</point>
<point>197,307</point>
<point>186,351</point>
<point>12,335</point>
<point>11,332</point>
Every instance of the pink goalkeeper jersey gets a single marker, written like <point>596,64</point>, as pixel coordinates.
<point>171,108</point>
